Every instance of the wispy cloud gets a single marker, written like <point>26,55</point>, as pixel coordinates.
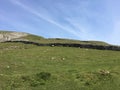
<point>80,28</point>
<point>85,17</point>
<point>115,34</point>
<point>46,18</point>
<point>11,24</point>
<point>78,19</point>
<point>114,14</point>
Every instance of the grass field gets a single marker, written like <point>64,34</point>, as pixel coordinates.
<point>60,40</point>
<point>29,67</point>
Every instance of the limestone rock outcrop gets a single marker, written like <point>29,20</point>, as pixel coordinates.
<point>7,36</point>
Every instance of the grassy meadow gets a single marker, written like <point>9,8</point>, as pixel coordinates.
<point>30,67</point>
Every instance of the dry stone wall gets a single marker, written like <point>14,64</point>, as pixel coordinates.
<point>89,46</point>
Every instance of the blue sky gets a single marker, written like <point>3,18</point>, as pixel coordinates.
<point>73,19</point>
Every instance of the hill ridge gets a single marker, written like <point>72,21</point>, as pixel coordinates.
<point>11,36</point>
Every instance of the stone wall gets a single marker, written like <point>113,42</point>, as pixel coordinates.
<point>100,47</point>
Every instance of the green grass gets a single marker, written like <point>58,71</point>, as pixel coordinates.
<point>59,40</point>
<point>40,39</point>
<point>29,67</point>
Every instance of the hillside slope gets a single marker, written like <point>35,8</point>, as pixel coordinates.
<point>12,35</point>
<point>26,38</point>
<point>7,35</point>
<point>27,66</point>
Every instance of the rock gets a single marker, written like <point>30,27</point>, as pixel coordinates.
<point>7,36</point>
<point>104,72</point>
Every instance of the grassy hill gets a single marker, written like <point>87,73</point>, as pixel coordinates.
<point>30,37</point>
<point>31,67</point>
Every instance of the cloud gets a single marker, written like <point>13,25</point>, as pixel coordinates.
<point>114,14</point>
<point>82,19</point>
<point>83,30</point>
<point>45,17</point>
<point>115,34</point>
<point>11,24</point>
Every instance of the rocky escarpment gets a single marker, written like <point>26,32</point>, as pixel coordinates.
<point>9,36</point>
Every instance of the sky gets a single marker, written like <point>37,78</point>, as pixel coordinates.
<point>97,20</point>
